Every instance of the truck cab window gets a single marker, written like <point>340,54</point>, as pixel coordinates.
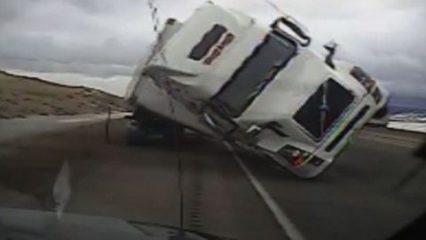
<point>207,42</point>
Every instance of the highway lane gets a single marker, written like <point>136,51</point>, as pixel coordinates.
<point>365,195</point>
<point>368,193</point>
<point>137,183</point>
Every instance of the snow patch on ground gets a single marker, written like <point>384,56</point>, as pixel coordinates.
<point>408,126</point>
<point>409,117</point>
<point>415,122</point>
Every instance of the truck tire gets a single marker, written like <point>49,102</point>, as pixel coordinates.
<point>173,134</point>
<point>134,135</point>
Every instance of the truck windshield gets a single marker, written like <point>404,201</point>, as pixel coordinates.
<point>254,74</point>
<point>324,108</point>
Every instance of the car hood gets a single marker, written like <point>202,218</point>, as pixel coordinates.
<point>18,224</point>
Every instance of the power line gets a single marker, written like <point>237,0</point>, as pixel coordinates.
<point>276,8</point>
<point>164,82</point>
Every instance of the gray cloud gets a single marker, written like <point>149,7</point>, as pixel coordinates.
<point>48,35</point>
<point>105,38</point>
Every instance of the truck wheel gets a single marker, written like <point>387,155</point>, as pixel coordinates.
<point>172,134</point>
<point>134,135</point>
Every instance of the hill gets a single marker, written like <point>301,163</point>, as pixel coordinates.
<point>22,96</point>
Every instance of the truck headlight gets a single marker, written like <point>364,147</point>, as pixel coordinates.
<point>363,78</point>
<point>377,95</point>
<point>294,155</point>
<point>297,157</point>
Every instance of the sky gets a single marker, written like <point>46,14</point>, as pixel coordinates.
<point>99,42</point>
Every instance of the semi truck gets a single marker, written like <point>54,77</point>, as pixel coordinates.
<point>223,74</point>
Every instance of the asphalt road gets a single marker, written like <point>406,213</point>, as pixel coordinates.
<point>374,188</point>
<point>11,129</point>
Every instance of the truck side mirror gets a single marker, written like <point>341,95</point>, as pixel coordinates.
<point>331,48</point>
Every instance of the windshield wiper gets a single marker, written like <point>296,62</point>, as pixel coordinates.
<point>324,108</point>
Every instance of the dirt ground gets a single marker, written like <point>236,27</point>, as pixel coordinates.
<point>24,96</point>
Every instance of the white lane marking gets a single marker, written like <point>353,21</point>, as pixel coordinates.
<point>78,120</point>
<point>287,226</point>
<point>92,118</point>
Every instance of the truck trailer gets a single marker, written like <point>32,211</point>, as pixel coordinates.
<point>223,74</point>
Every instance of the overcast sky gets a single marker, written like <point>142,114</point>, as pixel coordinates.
<point>99,42</point>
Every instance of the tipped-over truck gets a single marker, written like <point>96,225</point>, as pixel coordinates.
<point>224,75</point>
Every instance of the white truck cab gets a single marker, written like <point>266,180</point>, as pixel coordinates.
<point>223,74</point>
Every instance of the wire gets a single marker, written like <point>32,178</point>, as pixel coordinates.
<point>176,148</point>
<point>276,8</point>
<point>158,48</point>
